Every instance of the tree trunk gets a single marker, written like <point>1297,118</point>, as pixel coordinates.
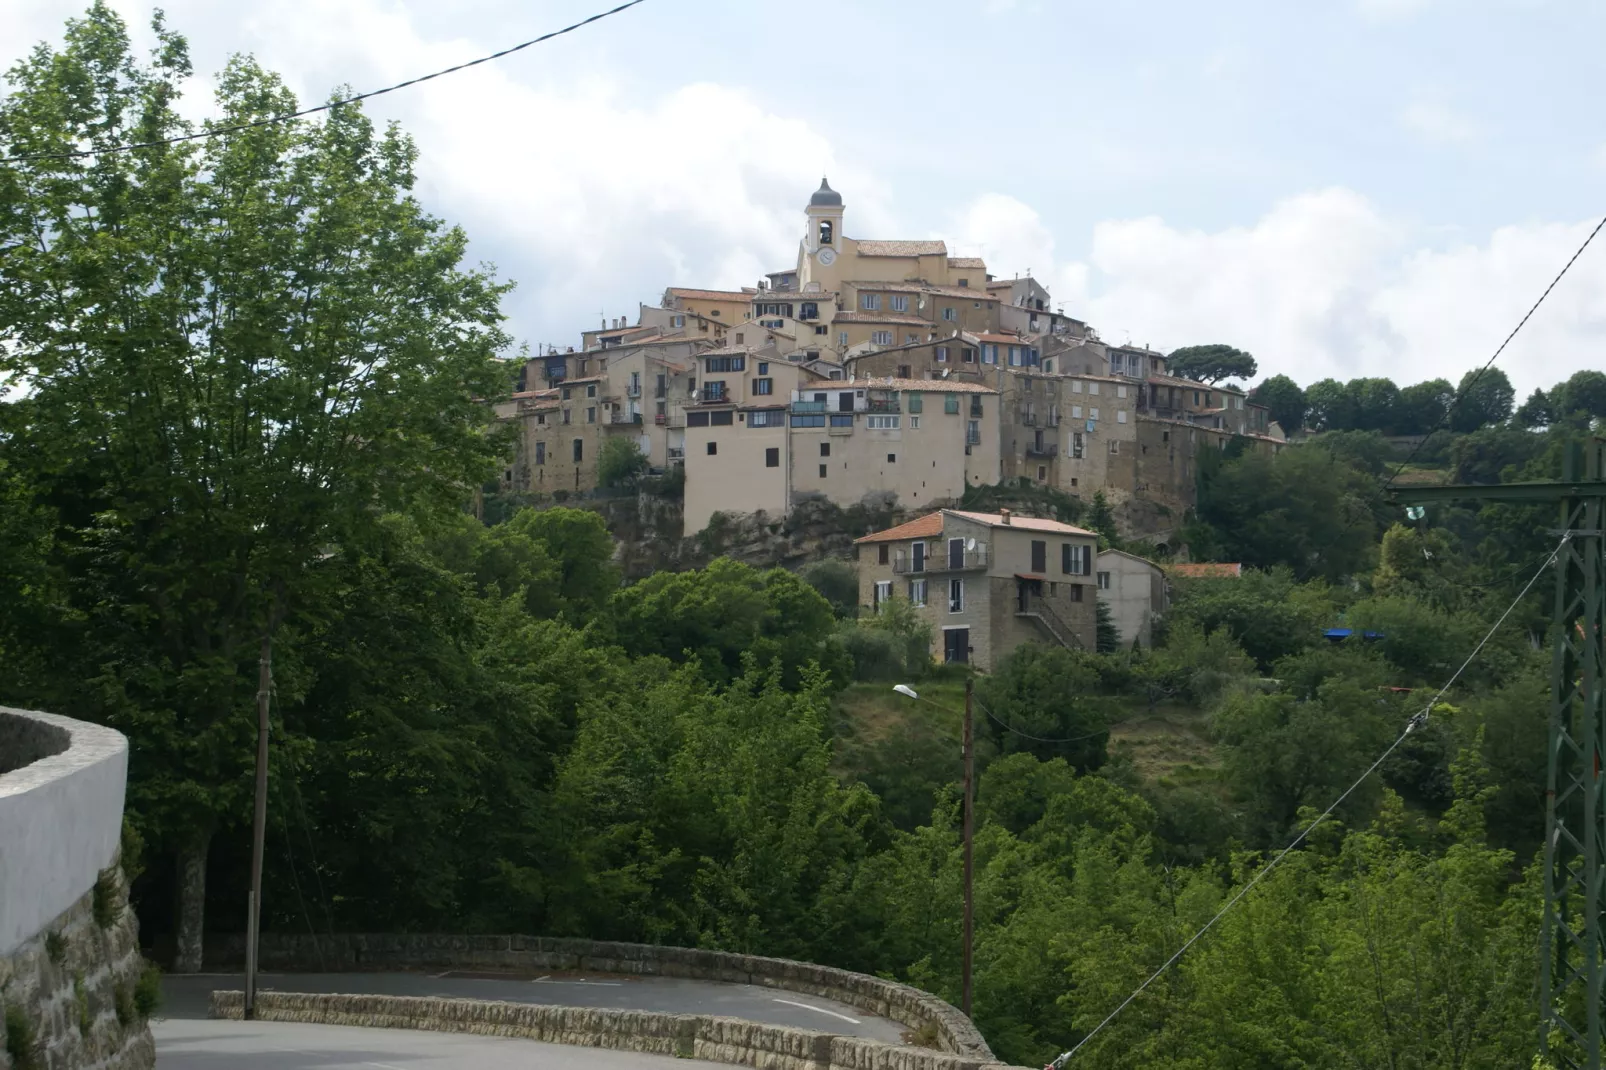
<point>191,905</point>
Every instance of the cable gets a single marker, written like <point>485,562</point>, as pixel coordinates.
<point>1412,725</point>
<point>272,119</point>
<point>1459,394</point>
<point>1037,739</point>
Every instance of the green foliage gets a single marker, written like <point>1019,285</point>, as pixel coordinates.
<point>1286,401</point>
<point>105,899</point>
<point>123,1005</point>
<point>1050,693</point>
<point>148,991</point>
<point>1481,400</point>
<point>838,583</point>
<point>1101,518</point>
<point>619,462</point>
<point>894,643</point>
<point>1107,635</point>
<point>55,948</point>
<point>21,1044</point>
<point>86,1018</point>
<point>1265,613</point>
<point>1211,363</point>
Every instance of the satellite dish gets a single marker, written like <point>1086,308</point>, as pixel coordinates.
<point>970,544</point>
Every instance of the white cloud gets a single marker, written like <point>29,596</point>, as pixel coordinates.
<point>1322,285</point>
<point>1436,121</point>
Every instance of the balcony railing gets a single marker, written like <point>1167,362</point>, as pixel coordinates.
<point>973,438</point>
<point>624,418</point>
<point>808,406</point>
<point>1047,449</point>
<point>711,396</point>
<point>882,405</point>
<point>633,390</point>
<point>677,453</point>
<point>942,562</point>
<point>660,419</point>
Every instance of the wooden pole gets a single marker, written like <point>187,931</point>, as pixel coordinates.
<point>970,806</point>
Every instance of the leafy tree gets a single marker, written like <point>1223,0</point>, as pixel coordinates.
<point>1050,693</point>
<point>1583,394</point>
<point>1484,455</point>
<point>1535,412</point>
<point>234,354</point>
<point>1266,613</point>
<point>579,544</point>
<point>619,462</point>
<point>1377,404</point>
<point>1286,401</point>
<point>1211,363</point>
<point>1365,450</point>
<point>1482,400</point>
<point>1423,406</point>
<point>1331,407</point>
<point>838,583</point>
<point>1101,518</point>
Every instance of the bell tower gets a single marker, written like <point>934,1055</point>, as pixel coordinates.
<point>825,220</point>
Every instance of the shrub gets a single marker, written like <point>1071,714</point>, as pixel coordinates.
<point>104,900</point>
<point>123,1004</point>
<point>148,991</point>
<point>619,463</point>
<point>56,948</point>
<point>80,994</point>
<point>20,1044</point>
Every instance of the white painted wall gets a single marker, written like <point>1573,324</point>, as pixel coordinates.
<point>61,821</point>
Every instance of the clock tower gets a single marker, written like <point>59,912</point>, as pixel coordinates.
<point>824,240</point>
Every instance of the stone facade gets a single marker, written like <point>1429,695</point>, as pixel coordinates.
<point>75,985</point>
<point>922,1012</point>
<point>687,1036</point>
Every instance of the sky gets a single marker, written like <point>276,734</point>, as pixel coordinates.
<point>1341,187</point>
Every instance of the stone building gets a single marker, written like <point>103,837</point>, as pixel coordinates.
<point>986,582</point>
<point>1135,590</point>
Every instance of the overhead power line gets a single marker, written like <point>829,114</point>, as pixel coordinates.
<point>1412,725</point>
<point>1464,391</point>
<point>1036,739</point>
<point>272,119</point>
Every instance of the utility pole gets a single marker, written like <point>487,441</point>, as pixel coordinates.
<point>970,827</point>
<point>259,824</point>
<point>1572,941</point>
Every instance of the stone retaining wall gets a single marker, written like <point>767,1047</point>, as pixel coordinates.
<point>922,1012</point>
<point>690,1036</point>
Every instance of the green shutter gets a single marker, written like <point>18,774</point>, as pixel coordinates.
<point>915,403</point>
<point>950,403</point>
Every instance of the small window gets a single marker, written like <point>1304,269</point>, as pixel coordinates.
<point>677,321</point>
<point>870,302</point>
<point>917,592</point>
<point>884,551</point>
<point>881,423</point>
<point>1120,391</point>
<point>1039,555</point>
<point>1042,473</point>
<point>591,390</point>
<point>540,453</point>
<point>566,392</point>
<point>1092,414</point>
<point>579,450</point>
<point>881,338</point>
<point>772,457</point>
<point>910,339</point>
<point>965,283</point>
<point>969,355</point>
<point>842,339</point>
<point>1104,581</point>
<point>1076,412</point>
<point>825,232</point>
<point>1076,592</point>
<point>825,449</point>
<point>820,328</point>
<point>1120,416</point>
<point>822,471</point>
<point>763,367</point>
<point>892,458</point>
<point>899,303</point>
<point>763,386</point>
<point>713,312</point>
<point>591,414</point>
<point>956,595</point>
<point>565,415</point>
<point>950,313</point>
<point>1115,446</point>
<point>914,423</point>
<point>950,404</point>
<point>883,591</point>
<point>903,371</point>
<point>713,448</point>
<point>1076,386</point>
<point>942,355</point>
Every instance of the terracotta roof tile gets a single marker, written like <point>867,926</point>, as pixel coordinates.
<point>713,295</point>
<point>933,386</point>
<point>924,287</point>
<point>881,317</point>
<point>925,527</point>
<point>1029,523</point>
<point>866,247</point>
<point>931,525</point>
<point>975,262</point>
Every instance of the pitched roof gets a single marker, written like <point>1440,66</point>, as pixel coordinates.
<point>585,379</point>
<point>1207,569</point>
<point>901,248</point>
<point>933,386</point>
<point>923,287</point>
<point>1010,339</point>
<point>931,525</point>
<point>713,295</point>
<point>966,262</point>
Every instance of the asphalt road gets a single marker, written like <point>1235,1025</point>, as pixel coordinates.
<point>188,1044</point>
<point>185,997</point>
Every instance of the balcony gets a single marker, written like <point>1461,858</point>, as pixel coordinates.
<point>710,395</point>
<point>624,418</point>
<point>660,419</point>
<point>808,407</point>
<point>633,390</point>
<point>882,405</point>
<point>677,454</point>
<point>973,438</point>
<point>1045,449</point>
<point>943,562</point>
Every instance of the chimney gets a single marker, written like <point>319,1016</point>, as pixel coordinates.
<point>1003,517</point>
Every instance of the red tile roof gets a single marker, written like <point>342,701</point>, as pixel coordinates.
<point>931,525</point>
<point>925,527</point>
<point>901,248</point>
<point>714,295</point>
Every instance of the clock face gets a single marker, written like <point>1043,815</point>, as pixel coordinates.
<point>827,257</point>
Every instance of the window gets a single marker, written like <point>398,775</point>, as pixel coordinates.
<point>884,551</point>
<point>697,419</point>
<point>1048,365</point>
<point>1092,414</point>
<point>772,457</point>
<point>591,390</point>
<point>763,367</point>
<point>825,449</point>
<point>914,423</point>
<point>903,371</point>
<point>540,453</point>
<point>1093,388</point>
<point>965,283</point>
<point>822,471</point>
<point>842,339</point>
<point>869,302</point>
<point>677,321</point>
<point>989,354</point>
<point>713,312</point>
<point>1039,555</point>
<point>767,418</point>
<point>898,303</point>
<point>1076,386</point>
<point>1120,416</point>
<point>969,355</point>
<point>1076,412</point>
<point>956,595</point>
<point>881,423</point>
<point>917,592</point>
<point>942,355</point>
<point>892,458</point>
<point>579,450</point>
<point>720,419</point>
<point>950,313</point>
<point>883,591</point>
<point>591,414</point>
<point>809,311</point>
<point>950,404</point>
<point>910,339</point>
<point>713,448</point>
<point>763,386</point>
<point>727,364</point>
<point>973,433</point>
<point>820,328</point>
<point>842,419</point>
<point>1115,446</point>
<point>881,338</point>
<point>1120,391</point>
<point>1042,473</point>
<point>1076,592</point>
<point>1076,443</point>
<point>566,392</point>
<point>1075,559</point>
<point>565,415</point>
<point>1104,581</point>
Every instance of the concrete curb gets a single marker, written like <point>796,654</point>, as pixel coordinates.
<point>922,1012</point>
<point>687,1036</point>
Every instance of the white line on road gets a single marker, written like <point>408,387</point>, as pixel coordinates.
<point>543,977</point>
<point>603,984</point>
<point>821,1010</point>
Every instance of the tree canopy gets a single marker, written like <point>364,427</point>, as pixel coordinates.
<point>1211,363</point>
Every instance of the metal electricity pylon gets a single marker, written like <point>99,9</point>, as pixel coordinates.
<point>1572,942</point>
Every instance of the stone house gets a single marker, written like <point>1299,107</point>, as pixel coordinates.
<point>1135,590</point>
<point>986,582</point>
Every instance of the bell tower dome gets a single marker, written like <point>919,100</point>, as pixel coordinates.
<point>825,219</point>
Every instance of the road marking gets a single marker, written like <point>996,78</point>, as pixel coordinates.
<point>384,1066</point>
<point>600,984</point>
<point>543,977</point>
<point>821,1010</point>
<point>443,973</point>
